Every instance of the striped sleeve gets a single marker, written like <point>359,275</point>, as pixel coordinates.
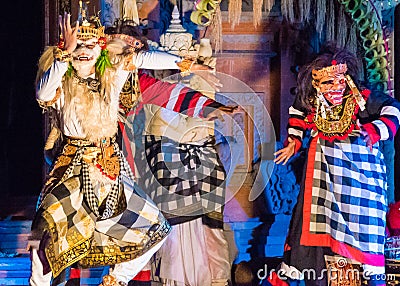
<point>296,124</point>
<point>175,97</point>
<point>388,123</point>
<point>382,116</point>
<point>296,127</point>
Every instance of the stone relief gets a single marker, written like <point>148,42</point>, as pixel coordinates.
<point>110,10</point>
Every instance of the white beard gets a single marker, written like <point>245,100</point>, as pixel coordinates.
<point>84,68</point>
<point>96,113</point>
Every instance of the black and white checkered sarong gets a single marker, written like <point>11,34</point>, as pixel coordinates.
<point>345,199</point>
<point>76,230</point>
<point>184,179</point>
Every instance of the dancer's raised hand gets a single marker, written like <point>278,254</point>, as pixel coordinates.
<point>69,34</point>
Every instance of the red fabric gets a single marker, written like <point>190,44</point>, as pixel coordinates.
<point>373,136</point>
<point>145,81</point>
<point>179,102</point>
<point>154,91</point>
<point>274,280</point>
<point>143,275</point>
<point>192,106</point>
<point>159,93</point>
<point>393,218</point>
<point>75,273</point>
<point>297,122</point>
<point>390,124</point>
<point>206,103</point>
<point>365,93</point>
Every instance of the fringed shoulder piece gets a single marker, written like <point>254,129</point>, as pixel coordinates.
<point>45,61</point>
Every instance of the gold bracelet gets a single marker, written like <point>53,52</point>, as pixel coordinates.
<point>45,104</point>
<point>62,55</point>
<point>185,65</point>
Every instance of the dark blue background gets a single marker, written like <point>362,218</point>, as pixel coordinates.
<point>21,143</point>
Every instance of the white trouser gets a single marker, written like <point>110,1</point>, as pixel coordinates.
<point>196,255</point>
<point>37,277</point>
<point>125,271</point>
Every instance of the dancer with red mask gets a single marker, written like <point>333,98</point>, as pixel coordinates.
<point>341,209</point>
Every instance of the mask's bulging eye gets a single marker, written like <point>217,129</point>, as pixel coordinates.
<point>341,81</point>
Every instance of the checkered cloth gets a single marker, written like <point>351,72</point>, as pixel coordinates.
<point>184,179</point>
<point>121,229</point>
<point>345,199</point>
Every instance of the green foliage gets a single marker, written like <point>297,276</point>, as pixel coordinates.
<point>103,62</point>
<point>70,70</point>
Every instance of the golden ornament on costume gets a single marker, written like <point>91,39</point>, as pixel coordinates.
<point>185,65</point>
<point>45,104</point>
<point>109,280</point>
<point>108,162</point>
<point>336,124</point>
<point>330,71</point>
<point>130,93</point>
<point>62,55</point>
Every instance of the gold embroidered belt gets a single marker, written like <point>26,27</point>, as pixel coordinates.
<point>100,153</point>
<point>103,142</point>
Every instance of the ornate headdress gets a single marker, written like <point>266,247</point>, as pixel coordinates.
<point>332,70</point>
<point>89,32</point>
<point>91,28</point>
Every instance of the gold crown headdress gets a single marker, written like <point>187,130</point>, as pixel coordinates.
<point>87,32</point>
<point>330,71</point>
<point>88,29</point>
